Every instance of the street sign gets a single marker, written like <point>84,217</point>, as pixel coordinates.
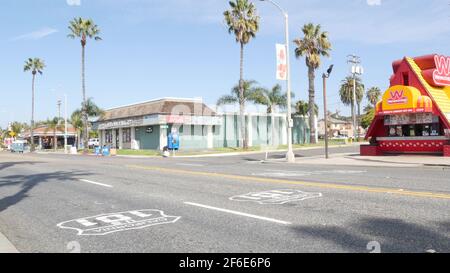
<point>281,62</point>
<point>165,126</point>
<point>12,134</point>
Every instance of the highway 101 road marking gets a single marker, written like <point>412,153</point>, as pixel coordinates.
<point>276,197</point>
<point>114,222</point>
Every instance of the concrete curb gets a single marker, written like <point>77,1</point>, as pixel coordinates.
<point>6,246</point>
<point>349,160</point>
<point>263,152</point>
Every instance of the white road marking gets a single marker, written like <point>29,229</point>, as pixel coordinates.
<point>190,165</point>
<point>95,183</point>
<point>284,173</point>
<point>239,213</point>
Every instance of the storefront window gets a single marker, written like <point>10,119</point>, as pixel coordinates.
<point>126,135</point>
<point>413,125</point>
<point>108,136</point>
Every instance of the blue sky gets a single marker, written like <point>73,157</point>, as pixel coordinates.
<point>181,48</point>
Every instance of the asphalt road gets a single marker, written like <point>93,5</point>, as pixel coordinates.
<point>57,203</point>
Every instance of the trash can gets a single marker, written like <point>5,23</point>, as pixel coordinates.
<point>106,151</point>
<point>97,150</point>
<point>174,141</point>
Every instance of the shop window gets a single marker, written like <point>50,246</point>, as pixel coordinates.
<point>126,135</point>
<point>108,136</point>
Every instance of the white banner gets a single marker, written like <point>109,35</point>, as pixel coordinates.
<point>281,62</point>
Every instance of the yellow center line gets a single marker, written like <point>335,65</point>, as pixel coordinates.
<point>302,183</point>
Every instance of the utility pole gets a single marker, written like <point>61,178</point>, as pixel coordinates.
<point>59,110</point>
<point>356,69</point>
<point>325,76</point>
<point>65,124</point>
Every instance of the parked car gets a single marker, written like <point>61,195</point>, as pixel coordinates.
<point>93,142</point>
<point>20,146</point>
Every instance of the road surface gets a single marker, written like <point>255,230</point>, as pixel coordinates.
<point>58,203</point>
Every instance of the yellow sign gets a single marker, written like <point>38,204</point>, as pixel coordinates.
<point>12,134</point>
<point>404,99</point>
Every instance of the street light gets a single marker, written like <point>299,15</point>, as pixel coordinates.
<point>325,76</point>
<point>290,123</point>
<point>357,69</point>
<point>65,124</point>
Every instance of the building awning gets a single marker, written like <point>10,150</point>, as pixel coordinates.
<point>400,99</point>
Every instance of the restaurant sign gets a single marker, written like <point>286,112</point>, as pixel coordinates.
<point>132,122</point>
<point>193,120</point>
<point>404,99</point>
<point>441,75</point>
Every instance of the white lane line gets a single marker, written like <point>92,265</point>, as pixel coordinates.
<point>190,165</point>
<point>95,183</point>
<point>239,213</point>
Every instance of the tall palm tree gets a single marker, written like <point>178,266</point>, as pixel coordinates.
<point>374,95</point>
<point>243,22</point>
<point>35,65</point>
<point>84,29</point>
<point>346,93</point>
<point>272,99</point>
<point>312,46</point>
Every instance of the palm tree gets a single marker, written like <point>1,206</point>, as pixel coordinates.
<point>35,65</point>
<point>272,99</point>
<point>251,93</point>
<point>84,29</point>
<point>54,125</point>
<point>346,93</point>
<point>312,46</point>
<point>76,120</point>
<point>373,96</point>
<point>92,109</point>
<point>243,22</point>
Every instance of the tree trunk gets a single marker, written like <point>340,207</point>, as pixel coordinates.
<point>273,126</point>
<point>32,114</point>
<point>312,114</point>
<point>242,102</point>
<point>84,110</point>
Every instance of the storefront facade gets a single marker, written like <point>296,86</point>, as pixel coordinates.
<point>146,126</point>
<point>414,114</point>
<point>44,137</point>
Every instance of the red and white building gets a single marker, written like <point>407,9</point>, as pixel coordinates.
<point>414,114</point>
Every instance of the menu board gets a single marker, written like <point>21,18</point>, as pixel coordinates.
<point>405,119</point>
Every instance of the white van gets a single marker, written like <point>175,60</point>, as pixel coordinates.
<point>93,142</point>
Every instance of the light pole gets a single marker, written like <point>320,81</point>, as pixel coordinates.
<point>356,70</point>
<point>59,110</point>
<point>65,123</point>
<point>290,157</point>
<point>325,76</point>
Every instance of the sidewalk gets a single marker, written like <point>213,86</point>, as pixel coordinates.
<point>264,151</point>
<point>211,153</point>
<point>6,246</point>
<point>378,161</point>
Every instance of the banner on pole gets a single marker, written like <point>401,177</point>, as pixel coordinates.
<point>281,62</point>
